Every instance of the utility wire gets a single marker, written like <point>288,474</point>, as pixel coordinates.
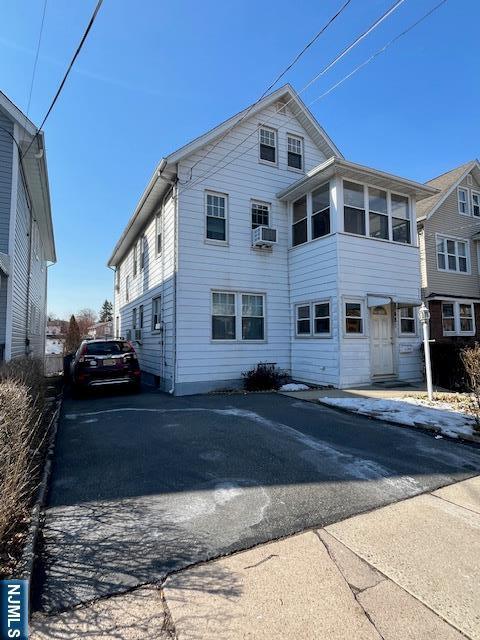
<point>277,79</point>
<point>36,57</point>
<point>72,62</point>
<point>337,58</point>
<point>209,173</point>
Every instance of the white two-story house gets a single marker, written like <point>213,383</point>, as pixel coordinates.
<point>27,244</point>
<point>258,242</point>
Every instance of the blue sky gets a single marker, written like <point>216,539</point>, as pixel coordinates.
<point>153,75</point>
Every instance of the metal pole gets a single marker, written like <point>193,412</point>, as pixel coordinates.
<point>424,318</point>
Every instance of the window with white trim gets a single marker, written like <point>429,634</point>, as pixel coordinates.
<point>216,216</point>
<point>140,316</point>
<point>135,259</point>
<point>260,214</point>
<point>407,320</point>
<point>238,314</point>
<point>400,218</point>
<point>134,317</point>
<point>452,255</point>
<point>157,313</point>
<point>458,318</point>
<point>127,288</point>
<point>143,252</point>
<point>299,225</point>
<point>295,152</point>
<point>117,278</point>
<point>158,233</point>
<point>303,320</point>
<point>354,208</point>
<point>353,317</point>
<point>321,318</point>
<point>117,326</point>
<point>320,225</point>
<point>476,203</point>
<point>253,320</point>
<point>463,201</point>
<point>378,213</point>
<point>268,145</point>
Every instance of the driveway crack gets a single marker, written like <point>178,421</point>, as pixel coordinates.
<point>355,591</point>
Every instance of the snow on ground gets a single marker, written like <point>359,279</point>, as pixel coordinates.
<point>411,412</point>
<point>294,387</point>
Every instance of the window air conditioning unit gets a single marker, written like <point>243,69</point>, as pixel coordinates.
<point>138,335</point>
<point>264,237</point>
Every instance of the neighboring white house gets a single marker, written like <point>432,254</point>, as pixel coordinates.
<point>26,234</point>
<point>271,248</point>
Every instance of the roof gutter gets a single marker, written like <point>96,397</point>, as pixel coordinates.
<point>153,181</point>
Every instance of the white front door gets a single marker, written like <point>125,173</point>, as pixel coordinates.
<point>382,342</point>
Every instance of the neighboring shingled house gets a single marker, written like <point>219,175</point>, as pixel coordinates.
<point>449,235</point>
<point>26,234</point>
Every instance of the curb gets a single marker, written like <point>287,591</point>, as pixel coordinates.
<point>27,559</point>
<point>418,426</point>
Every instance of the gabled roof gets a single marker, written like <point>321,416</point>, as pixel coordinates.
<point>167,167</point>
<point>34,162</point>
<point>446,183</point>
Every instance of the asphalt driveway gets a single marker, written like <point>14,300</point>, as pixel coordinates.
<point>148,484</point>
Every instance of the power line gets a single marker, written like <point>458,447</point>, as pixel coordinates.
<point>277,79</point>
<point>209,172</point>
<point>337,58</point>
<point>36,57</point>
<point>72,62</point>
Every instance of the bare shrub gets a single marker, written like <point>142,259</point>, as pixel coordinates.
<point>22,433</point>
<point>471,360</point>
<point>264,377</point>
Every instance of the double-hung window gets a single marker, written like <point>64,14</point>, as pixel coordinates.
<point>223,316</point>
<point>463,201</point>
<point>400,219</point>
<point>158,233</point>
<point>378,213</point>
<point>321,211</point>
<point>117,278</point>
<point>143,251</point>
<point>260,214</point>
<point>313,319</point>
<point>353,318</point>
<point>452,255</point>
<point>295,152</point>
<point>253,320</point>
<point>140,316</point>
<point>156,313</point>
<point>127,288</point>
<point>216,215</point>
<point>134,317</point>
<point>407,320</point>
<point>238,314</point>
<point>458,318</point>
<point>268,145</point>
<point>476,203</point>
<point>117,326</point>
<point>135,259</point>
<point>299,226</point>
<point>354,208</point>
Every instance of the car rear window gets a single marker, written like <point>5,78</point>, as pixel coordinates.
<point>107,348</point>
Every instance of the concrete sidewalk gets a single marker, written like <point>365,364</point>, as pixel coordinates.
<point>408,571</point>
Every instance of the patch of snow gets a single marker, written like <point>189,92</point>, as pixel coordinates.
<point>410,412</point>
<point>294,387</point>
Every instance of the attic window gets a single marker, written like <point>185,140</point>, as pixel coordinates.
<point>295,152</point>
<point>463,202</point>
<point>282,108</point>
<point>268,145</point>
<point>469,180</point>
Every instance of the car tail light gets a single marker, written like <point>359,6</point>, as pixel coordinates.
<point>82,353</point>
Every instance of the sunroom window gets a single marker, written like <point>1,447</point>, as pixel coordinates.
<point>321,211</point>
<point>354,208</point>
<point>400,219</point>
<point>299,227</point>
<point>378,213</point>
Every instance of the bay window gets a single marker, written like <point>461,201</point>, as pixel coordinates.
<point>299,227</point>
<point>238,314</point>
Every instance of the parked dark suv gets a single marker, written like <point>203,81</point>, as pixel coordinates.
<point>99,363</point>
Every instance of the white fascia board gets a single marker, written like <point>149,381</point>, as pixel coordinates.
<point>449,191</point>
